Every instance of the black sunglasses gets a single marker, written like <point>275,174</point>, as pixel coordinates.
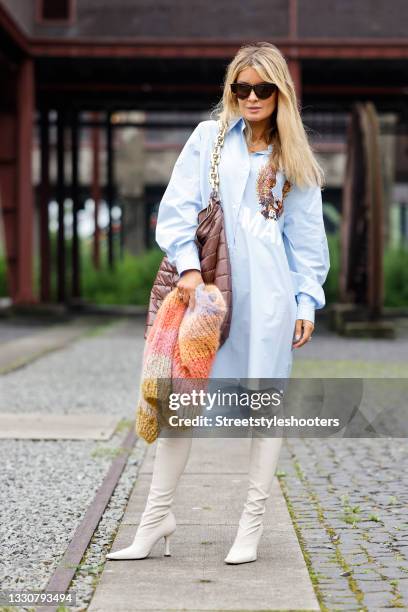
<point>262,90</point>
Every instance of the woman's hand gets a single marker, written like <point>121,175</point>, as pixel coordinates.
<point>187,284</point>
<point>303,332</point>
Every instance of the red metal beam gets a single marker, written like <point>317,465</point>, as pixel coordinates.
<point>293,18</point>
<point>136,87</point>
<point>61,258</point>
<point>210,89</point>
<point>330,147</point>
<point>357,90</point>
<point>75,162</point>
<point>45,246</point>
<point>8,182</point>
<point>295,69</point>
<point>96,190</point>
<point>187,48</point>
<point>25,200</point>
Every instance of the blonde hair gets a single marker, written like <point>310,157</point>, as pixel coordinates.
<point>291,150</point>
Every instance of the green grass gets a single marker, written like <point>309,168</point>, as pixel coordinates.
<point>331,286</point>
<point>396,277</point>
<point>129,283</point>
<point>3,281</point>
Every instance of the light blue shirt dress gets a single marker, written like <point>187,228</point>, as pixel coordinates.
<point>277,245</point>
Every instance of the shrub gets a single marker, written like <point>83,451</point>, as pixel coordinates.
<point>396,276</point>
<point>129,282</point>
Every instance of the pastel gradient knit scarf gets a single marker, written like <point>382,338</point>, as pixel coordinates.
<point>181,347</point>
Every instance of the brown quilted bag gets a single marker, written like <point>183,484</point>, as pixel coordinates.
<point>212,248</point>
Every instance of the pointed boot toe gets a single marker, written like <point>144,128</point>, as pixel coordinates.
<point>245,547</point>
<point>244,555</point>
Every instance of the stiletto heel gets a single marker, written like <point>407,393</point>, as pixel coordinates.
<point>167,546</point>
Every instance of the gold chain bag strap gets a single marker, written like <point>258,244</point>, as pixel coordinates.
<point>212,248</point>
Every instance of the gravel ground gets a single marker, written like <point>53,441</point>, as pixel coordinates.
<point>99,373</point>
<point>47,486</point>
<point>42,505</point>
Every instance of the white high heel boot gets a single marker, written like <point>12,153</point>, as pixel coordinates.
<point>264,455</point>
<point>157,519</point>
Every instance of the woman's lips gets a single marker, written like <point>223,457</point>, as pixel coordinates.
<point>254,109</point>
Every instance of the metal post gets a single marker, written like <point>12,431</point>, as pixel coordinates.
<point>45,250</point>
<point>96,190</point>
<point>25,200</point>
<point>109,186</point>
<point>122,232</point>
<point>61,276</point>
<point>76,290</point>
<point>295,69</point>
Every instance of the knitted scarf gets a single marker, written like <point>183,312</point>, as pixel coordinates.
<point>181,345</point>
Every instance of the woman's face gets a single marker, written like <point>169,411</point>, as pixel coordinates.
<point>252,108</point>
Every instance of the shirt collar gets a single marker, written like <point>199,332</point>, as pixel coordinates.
<point>241,122</point>
<point>236,121</point>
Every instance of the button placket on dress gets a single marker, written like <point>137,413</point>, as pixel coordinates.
<point>246,171</point>
<point>264,153</point>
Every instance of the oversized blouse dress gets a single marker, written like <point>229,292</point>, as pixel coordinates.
<point>277,246</point>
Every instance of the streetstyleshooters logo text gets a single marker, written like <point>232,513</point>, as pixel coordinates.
<point>252,401</point>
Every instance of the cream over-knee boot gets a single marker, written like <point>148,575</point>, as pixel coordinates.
<point>264,455</point>
<point>157,520</point>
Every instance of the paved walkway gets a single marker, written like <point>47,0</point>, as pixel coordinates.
<point>23,341</point>
<point>207,507</point>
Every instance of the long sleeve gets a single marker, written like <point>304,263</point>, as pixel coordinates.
<point>179,207</point>
<point>306,247</point>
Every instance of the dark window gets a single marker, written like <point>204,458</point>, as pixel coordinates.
<point>56,10</point>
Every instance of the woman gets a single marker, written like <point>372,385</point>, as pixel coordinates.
<point>270,188</point>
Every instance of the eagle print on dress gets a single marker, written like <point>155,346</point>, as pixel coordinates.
<point>269,195</point>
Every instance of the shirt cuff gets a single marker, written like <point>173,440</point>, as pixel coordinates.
<point>306,307</point>
<point>187,258</point>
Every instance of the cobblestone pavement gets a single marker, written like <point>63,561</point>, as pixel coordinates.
<point>348,497</point>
